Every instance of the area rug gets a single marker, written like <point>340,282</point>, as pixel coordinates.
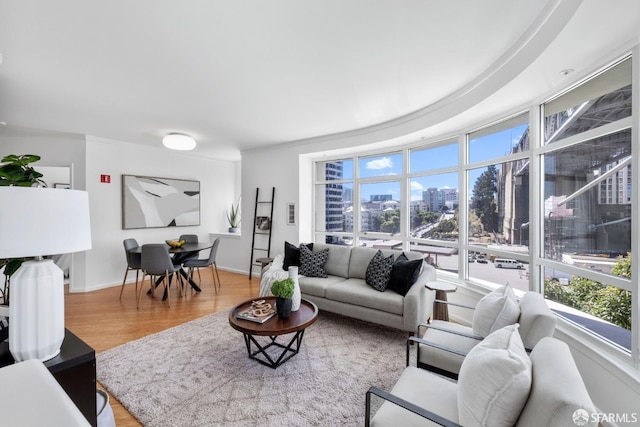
<point>199,374</point>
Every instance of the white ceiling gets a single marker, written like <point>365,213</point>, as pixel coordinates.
<point>238,74</point>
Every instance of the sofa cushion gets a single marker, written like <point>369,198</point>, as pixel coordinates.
<point>360,258</point>
<point>495,380</point>
<point>378,271</point>
<point>338,260</point>
<point>312,263</point>
<point>357,292</point>
<point>404,274</point>
<point>292,254</point>
<point>495,310</point>
<point>317,286</point>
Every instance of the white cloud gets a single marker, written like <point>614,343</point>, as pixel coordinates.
<point>382,163</point>
<point>416,186</point>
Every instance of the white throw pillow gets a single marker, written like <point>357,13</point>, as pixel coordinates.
<point>494,381</point>
<point>495,310</point>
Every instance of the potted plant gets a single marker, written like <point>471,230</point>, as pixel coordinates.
<point>233,216</point>
<point>283,290</point>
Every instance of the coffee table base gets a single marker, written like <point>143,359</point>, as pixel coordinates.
<point>288,351</point>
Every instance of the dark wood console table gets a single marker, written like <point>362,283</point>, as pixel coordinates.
<point>74,369</point>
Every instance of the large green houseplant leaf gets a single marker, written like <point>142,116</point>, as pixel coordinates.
<point>15,170</point>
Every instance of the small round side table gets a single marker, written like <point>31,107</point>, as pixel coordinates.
<point>440,310</point>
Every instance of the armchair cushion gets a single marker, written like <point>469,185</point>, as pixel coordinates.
<point>536,319</point>
<point>417,386</point>
<point>495,380</point>
<point>378,271</point>
<point>444,360</point>
<point>495,310</point>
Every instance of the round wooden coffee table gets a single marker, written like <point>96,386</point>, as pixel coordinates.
<point>296,323</point>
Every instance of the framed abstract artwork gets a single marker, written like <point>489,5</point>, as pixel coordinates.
<point>151,202</point>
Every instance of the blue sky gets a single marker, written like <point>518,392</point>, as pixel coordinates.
<point>486,147</point>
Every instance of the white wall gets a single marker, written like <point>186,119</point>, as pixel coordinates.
<point>104,264</point>
<point>218,183</point>
<point>264,169</point>
<point>54,149</point>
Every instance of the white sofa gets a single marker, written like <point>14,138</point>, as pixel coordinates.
<point>345,291</point>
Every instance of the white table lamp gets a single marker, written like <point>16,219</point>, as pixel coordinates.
<point>36,222</point>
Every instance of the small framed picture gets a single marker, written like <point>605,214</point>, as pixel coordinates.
<point>61,185</point>
<point>291,213</point>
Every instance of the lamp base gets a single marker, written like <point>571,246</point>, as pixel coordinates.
<point>36,311</point>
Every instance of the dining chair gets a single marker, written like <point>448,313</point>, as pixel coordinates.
<point>157,264</point>
<point>133,261</point>
<point>190,238</point>
<point>197,264</point>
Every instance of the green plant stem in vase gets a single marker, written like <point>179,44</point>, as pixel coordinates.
<point>233,216</point>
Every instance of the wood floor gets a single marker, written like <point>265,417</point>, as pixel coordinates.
<point>104,321</point>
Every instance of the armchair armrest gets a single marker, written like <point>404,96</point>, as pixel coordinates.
<point>450,331</point>
<point>412,339</point>
<point>455,303</point>
<point>424,413</point>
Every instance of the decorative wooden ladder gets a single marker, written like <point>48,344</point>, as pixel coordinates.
<point>262,230</point>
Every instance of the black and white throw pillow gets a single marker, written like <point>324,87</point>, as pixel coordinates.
<point>312,263</point>
<point>378,271</point>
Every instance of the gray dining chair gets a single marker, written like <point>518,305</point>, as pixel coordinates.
<point>133,261</point>
<point>197,264</point>
<point>190,238</point>
<point>157,264</point>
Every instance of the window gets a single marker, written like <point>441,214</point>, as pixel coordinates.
<point>466,205</point>
<point>380,208</point>
<point>501,139</point>
<point>385,165</point>
<point>587,209</point>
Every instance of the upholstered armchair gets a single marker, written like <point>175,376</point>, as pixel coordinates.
<point>442,346</point>
<point>499,384</point>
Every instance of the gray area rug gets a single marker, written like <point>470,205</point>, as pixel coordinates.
<point>199,374</point>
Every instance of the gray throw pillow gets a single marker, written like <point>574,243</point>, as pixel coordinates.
<point>379,271</point>
<point>312,263</point>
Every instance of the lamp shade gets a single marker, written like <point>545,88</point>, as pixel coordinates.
<point>43,221</point>
<point>36,222</point>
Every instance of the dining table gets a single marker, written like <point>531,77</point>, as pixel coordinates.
<point>180,255</point>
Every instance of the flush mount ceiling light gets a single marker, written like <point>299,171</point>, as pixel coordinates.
<point>179,141</point>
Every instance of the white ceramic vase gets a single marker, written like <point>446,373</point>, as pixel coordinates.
<point>36,313</point>
<point>295,299</point>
